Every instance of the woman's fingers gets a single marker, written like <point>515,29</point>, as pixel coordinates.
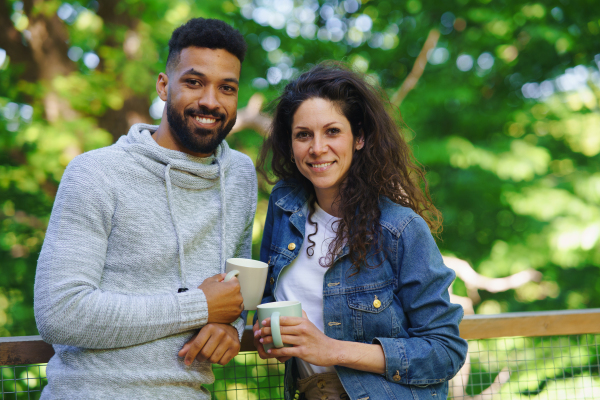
<point>287,339</point>
<point>259,347</point>
<point>285,330</point>
<point>284,352</point>
<point>284,321</point>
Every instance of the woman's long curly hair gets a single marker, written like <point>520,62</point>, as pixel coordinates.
<point>385,165</point>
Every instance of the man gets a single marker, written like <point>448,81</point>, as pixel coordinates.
<point>133,260</point>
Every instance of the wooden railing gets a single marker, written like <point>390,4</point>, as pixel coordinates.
<point>21,350</point>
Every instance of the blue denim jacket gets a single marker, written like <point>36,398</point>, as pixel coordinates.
<point>415,324</point>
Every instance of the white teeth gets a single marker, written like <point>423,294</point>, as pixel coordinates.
<point>205,120</point>
<point>322,165</point>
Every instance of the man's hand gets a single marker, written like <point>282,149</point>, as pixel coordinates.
<point>225,302</point>
<point>217,343</point>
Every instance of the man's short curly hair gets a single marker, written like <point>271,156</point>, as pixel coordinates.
<point>209,33</point>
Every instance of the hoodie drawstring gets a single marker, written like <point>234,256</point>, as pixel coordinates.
<point>223,248</point>
<point>183,287</point>
<point>223,218</point>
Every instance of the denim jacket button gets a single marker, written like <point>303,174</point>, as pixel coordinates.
<point>272,280</point>
<point>396,377</point>
<point>291,246</point>
<point>376,302</point>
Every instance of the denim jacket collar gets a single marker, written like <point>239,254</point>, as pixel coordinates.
<point>296,202</point>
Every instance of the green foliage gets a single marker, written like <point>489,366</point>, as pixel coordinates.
<point>505,117</point>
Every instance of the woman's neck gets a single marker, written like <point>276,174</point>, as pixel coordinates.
<point>327,201</point>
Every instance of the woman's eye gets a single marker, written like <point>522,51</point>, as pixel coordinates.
<point>333,131</point>
<point>301,135</point>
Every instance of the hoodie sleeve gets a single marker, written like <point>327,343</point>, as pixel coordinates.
<point>70,307</point>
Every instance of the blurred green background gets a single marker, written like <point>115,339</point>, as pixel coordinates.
<point>504,114</point>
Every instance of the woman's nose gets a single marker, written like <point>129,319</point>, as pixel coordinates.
<point>317,146</point>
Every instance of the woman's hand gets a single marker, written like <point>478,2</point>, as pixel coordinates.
<point>310,344</point>
<point>259,347</point>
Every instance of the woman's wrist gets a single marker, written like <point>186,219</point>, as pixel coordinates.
<point>335,347</point>
<point>360,356</point>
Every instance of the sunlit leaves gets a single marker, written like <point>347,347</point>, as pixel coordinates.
<point>522,163</point>
<point>88,22</point>
<point>505,116</point>
<point>533,201</point>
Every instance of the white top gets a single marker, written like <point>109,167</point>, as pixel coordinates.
<point>302,280</point>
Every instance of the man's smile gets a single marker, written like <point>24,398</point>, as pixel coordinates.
<point>206,121</point>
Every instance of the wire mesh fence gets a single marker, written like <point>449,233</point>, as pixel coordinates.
<point>535,368</point>
<point>19,382</point>
<point>542,368</point>
<point>248,377</point>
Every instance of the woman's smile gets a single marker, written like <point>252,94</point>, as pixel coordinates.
<point>321,166</point>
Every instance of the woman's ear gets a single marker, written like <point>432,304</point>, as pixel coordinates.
<point>360,143</point>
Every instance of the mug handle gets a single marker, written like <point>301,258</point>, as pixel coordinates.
<point>231,274</point>
<point>275,330</point>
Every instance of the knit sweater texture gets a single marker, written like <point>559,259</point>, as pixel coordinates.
<point>131,224</point>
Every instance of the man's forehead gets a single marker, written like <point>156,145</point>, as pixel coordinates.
<point>208,61</point>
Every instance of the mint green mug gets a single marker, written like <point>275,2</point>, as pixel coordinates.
<point>274,311</point>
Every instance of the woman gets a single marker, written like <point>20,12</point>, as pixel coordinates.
<point>378,322</point>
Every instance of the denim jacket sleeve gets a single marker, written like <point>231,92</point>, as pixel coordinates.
<point>434,351</point>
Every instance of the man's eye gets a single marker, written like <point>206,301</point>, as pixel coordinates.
<point>193,82</point>
<point>230,89</point>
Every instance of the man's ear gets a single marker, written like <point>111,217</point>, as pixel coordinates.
<point>162,86</point>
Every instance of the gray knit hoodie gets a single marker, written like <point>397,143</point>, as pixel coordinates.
<point>131,224</point>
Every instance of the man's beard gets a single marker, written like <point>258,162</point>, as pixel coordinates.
<point>195,139</point>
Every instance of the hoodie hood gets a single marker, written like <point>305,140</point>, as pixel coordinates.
<point>186,171</point>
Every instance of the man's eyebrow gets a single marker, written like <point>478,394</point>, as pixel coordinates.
<point>192,71</point>
<point>232,80</point>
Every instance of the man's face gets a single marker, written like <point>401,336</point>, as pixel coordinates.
<point>202,94</point>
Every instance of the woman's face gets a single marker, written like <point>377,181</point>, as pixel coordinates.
<point>323,145</point>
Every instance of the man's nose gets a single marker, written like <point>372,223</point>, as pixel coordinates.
<point>209,98</point>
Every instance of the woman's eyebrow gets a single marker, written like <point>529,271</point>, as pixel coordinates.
<point>324,126</point>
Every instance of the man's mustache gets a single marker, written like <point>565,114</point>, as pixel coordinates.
<point>205,111</point>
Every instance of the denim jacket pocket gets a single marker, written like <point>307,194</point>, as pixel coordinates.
<point>372,301</point>
<point>371,313</point>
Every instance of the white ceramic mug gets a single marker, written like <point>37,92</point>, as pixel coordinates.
<point>252,275</point>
